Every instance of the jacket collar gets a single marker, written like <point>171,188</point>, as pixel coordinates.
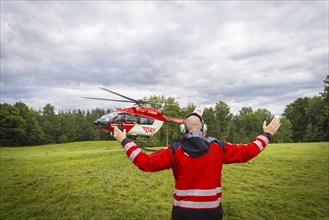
<point>195,143</point>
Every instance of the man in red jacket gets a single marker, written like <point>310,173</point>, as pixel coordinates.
<point>197,161</point>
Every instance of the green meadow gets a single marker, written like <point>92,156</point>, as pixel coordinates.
<point>95,180</point>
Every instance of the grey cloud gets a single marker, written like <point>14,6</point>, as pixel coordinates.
<point>219,50</point>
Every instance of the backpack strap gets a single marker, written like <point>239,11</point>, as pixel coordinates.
<point>220,143</point>
<point>174,146</point>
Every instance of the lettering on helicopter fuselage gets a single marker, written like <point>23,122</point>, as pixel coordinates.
<point>152,112</point>
<point>148,129</point>
<point>178,121</point>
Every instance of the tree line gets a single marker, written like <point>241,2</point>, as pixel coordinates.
<point>304,120</point>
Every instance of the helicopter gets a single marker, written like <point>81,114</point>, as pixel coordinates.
<point>136,120</point>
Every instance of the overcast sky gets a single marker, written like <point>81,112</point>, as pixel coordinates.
<point>248,54</point>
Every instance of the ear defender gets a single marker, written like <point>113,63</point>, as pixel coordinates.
<point>204,128</point>
<point>184,129</point>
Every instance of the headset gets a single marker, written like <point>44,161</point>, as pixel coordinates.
<point>184,129</point>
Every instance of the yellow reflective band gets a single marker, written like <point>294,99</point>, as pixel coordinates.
<point>198,192</point>
<point>198,205</point>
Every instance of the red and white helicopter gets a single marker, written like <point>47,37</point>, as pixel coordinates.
<point>136,120</point>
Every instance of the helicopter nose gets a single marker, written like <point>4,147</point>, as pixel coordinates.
<point>102,123</point>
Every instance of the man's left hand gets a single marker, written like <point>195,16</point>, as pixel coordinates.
<point>119,135</point>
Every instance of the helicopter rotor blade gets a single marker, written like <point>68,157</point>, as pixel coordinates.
<point>147,102</point>
<point>115,100</point>
<point>131,100</point>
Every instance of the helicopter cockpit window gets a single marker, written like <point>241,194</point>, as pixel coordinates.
<point>119,118</point>
<point>129,119</point>
<point>143,120</point>
<point>109,117</point>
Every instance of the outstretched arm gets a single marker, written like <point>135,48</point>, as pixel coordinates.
<point>156,161</point>
<point>240,153</point>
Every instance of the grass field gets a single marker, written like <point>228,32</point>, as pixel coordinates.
<point>95,180</point>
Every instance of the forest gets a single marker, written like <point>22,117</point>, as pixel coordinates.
<point>306,119</point>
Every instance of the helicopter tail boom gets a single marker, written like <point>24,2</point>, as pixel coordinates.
<point>174,120</point>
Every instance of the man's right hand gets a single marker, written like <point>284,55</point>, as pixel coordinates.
<point>272,127</point>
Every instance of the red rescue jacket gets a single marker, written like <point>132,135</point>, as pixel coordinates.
<point>198,184</point>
